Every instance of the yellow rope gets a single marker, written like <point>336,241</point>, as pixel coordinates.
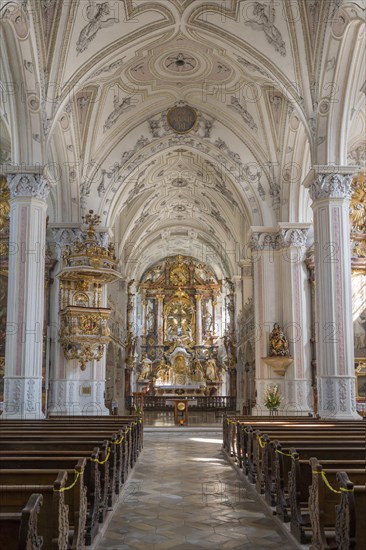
<point>102,461</point>
<point>294,457</point>
<point>259,437</point>
<point>70,486</point>
<point>324,477</point>
<point>119,441</point>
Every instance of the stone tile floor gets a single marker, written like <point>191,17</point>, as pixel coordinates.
<point>184,494</point>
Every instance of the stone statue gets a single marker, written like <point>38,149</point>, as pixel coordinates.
<point>278,342</point>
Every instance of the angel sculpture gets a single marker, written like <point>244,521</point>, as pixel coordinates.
<point>96,14</point>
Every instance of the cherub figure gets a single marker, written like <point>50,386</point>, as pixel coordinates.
<point>96,14</point>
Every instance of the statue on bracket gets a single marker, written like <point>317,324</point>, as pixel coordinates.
<point>278,342</point>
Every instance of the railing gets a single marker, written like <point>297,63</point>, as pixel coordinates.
<point>199,403</point>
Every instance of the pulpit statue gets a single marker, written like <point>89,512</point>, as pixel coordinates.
<point>278,342</point>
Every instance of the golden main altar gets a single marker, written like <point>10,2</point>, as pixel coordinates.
<point>182,350</point>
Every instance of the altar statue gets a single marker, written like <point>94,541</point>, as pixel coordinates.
<point>163,373</point>
<point>146,369</point>
<point>197,371</point>
<point>211,370</point>
<point>278,342</point>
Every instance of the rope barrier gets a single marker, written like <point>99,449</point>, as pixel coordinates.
<point>259,437</point>
<point>63,489</point>
<point>324,478</point>
<point>119,441</point>
<point>294,457</point>
<point>102,461</point>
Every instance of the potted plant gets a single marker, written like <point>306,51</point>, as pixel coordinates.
<point>272,398</point>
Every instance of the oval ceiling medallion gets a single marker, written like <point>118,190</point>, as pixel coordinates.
<point>180,62</point>
<point>181,118</point>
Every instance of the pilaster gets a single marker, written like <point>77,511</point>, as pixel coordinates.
<point>296,315</point>
<point>330,190</point>
<point>29,190</point>
<point>267,303</point>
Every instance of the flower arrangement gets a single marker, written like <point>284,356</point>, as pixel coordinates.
<point>272,398</point>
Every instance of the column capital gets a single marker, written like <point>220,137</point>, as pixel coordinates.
<point>64,236</point>
<point>264,238</point>
<point>28,184</point>
<point>293,234</point>
<point>198,297</point>
<point>330,182</point>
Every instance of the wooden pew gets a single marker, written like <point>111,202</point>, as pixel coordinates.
<point>350,527</point>
<point>75,496</point>
<point>244,432</point>
<point>19,530</point>
<point>277,465</point>
<point>58,440</point>
<point>300,479</point>
<point>57,449</point>
<point>267,462</point>
<point>53,521</point>
<point>135,424</point>
<point>323,501</point>
<point>295,438</point>
<point>55,461</point>
<point>129,433</point>
<point>71,447</point>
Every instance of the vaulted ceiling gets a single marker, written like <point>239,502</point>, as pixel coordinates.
<point>276,87</point>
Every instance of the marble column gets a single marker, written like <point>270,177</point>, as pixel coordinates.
<point>296,317</point>
<point>160,319</point>
<point>267,305</point>
<point>25,313</point>
<point>330,191</point>
<point>198,319</point>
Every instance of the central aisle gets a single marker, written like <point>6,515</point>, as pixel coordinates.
<point>183,494</point>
